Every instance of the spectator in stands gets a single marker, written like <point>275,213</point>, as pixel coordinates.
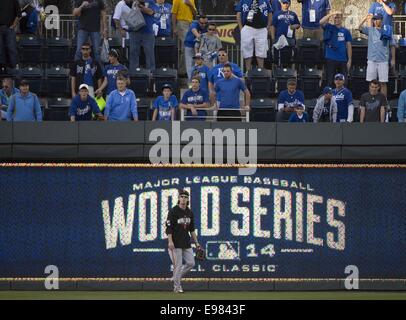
<point>402,106</point>
<point>229,89</point>
<point>196,29</point>
<point>299,115</point>
<point>110,73</point>
<point>373,104</point>
<point>84,106</point>
<point>182,16</point>
<point>24,106</point>
<point>216,73</point>
<point>202,71</point>
<point>121,103</point>
<point>338,47</point>
<point>92,20</point>
<point>144,38</point>
<point>6,92</point>
<point>165,106</point>
<point>9,13</point>
<point>343,97</point>
<point>285,22</point>
<point>326,107</point>
<point>384,7</point>
<point>254,17</point>
<point>209,45</point>
<point>122,9</point>
<point>29,20</point>
<point>194,99</point>
<point>163,19</point>
<point>378,51</point>
<point>288,99</point>
<point>87,71</point>
<point>313,11</point>
<point>276,6</point>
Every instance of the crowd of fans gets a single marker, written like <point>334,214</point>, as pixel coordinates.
<point>215,82</point>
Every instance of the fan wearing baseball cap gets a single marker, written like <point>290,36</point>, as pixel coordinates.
<point>343,97</point>
<point>83,106</point>
<point>378,50</point>
<point>165,105</point>
<point>326,107</point>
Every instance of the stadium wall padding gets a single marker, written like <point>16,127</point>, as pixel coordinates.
<point>285,222</point>
<point>277,142</point>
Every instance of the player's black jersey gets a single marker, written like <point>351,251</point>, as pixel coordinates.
<point>179,223</point>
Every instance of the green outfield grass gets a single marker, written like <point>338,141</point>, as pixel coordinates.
<point>200,295</point>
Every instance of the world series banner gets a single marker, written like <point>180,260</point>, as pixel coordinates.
<point>284,221</point>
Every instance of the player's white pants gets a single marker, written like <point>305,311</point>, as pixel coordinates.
<point>180,269</point>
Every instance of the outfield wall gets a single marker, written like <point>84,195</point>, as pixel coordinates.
<point>287,224</point>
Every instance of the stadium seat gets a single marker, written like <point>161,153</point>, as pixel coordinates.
<point>392,84</point>
<point>393,110</point>
<point>359,51</point>
<point>284,57</point>
<point>357,111</point>
<point>34,75</point>
<point>357,81</point>
<point>259,82</point>
<point>114,43</point>
<point>30,48</point>
<point>140,82</point>
<point>162,76</point>
<point>56,82</point>
<point>308,52</point>
<point>310,82</point>
<point>57,109</point>
<point>401,56</point>
<point>281,76</point>
<point>166,52</point>
<point>402,81</point>
<point>144,109</point>
<point>57,51</point>
<point>310,105</point>
<point>262,110</point>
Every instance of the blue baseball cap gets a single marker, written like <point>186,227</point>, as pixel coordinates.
<point>327,90</point>
<point>339,76</point>
<point>285,1</point>
<point>377,16</point>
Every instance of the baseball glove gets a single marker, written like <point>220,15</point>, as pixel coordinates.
<point>200,253</point>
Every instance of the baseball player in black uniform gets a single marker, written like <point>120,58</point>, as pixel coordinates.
<point>179,224</point>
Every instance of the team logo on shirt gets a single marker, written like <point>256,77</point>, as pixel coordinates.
<point>185,221</point>
<point>340,36</point>
<point>263,8</point>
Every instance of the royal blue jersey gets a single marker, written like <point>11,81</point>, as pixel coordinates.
<point>320,8</point>
<point>229,91</point>
<point>294,117</point>
<point>165,107</point>
<point>83,110</point>
<point>195,97</point>
<point>337,51</point>
<point>163,19</point>
<point>110,71</point>
<point>276,6</point>
<point>282,20</point>
<point>244,6</point>
<point>377,8</point>
<point>149,19</point>
<point>88,75</point>
<point>344,100</point>
<point>216,73</point>
<point>190,37</point>
<point>288,100</point>
<point>203,72</point>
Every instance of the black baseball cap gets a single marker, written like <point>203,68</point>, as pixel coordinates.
<point>183,192</point>
<point>167,86</point>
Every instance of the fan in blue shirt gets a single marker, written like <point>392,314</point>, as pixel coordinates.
<point>380,8</point>
<point>165,105</point>
<point>299,115</point>
<point>111,71</point>
<point>202,71</point>
<point>190,37</point>
<point>284,20</point>
<point>121,104</point>
<point>343,96</point>
<point>276,6</point>
<point>163,18</point>
<point>83,106</point>
<point>313,11</point>
<point>195,98</point>
<point>229,90</point>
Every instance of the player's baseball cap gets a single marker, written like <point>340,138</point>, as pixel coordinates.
<point>377,16</point>
<point>167,86</point>
<point>339,76</point>
<point>183,192</point>
<point>198,56</point>
<point>84,86</point>
<point>327,90</point>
